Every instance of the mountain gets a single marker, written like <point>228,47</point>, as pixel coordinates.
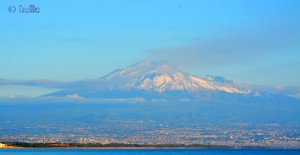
<point>160,80</point>
<point>159,76</point>
<point>152,90</point>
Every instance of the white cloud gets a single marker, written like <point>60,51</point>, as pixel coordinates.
<point>74,96</point>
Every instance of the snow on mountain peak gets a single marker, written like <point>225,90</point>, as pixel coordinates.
<point>159,76</point>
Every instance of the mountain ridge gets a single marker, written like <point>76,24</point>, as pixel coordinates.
<point>157,80</point>
<point>160,76</point>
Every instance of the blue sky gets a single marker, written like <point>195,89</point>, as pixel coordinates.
<point>251,41</point>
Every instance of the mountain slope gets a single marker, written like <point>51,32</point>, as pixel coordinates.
<point>159,76</point>
<point>156,80</point>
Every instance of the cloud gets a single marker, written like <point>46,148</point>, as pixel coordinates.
<point>42,87</point>
<point>227,50</point>
<point>293,91</point>
<point>264,41</point>
<point>11,96</point>
<point>241,53</point>
<point>42,83</point>
<point>95,83</point>
<point>74,96</point>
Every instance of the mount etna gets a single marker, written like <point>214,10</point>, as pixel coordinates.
<point>152,90</point>
<point>157,80</point>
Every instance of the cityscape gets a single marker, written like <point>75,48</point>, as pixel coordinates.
<point>159,133</point>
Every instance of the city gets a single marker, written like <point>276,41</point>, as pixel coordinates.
<point>158,133</point>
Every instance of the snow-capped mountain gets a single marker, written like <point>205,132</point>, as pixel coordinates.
<point>157,80</point>
<point>159,76</point>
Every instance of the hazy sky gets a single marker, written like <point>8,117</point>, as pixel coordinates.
<point>252,41</point>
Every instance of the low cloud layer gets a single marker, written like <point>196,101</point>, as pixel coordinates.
<point>43,83</point>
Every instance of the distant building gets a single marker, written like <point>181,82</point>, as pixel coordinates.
<point>2,145</point>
